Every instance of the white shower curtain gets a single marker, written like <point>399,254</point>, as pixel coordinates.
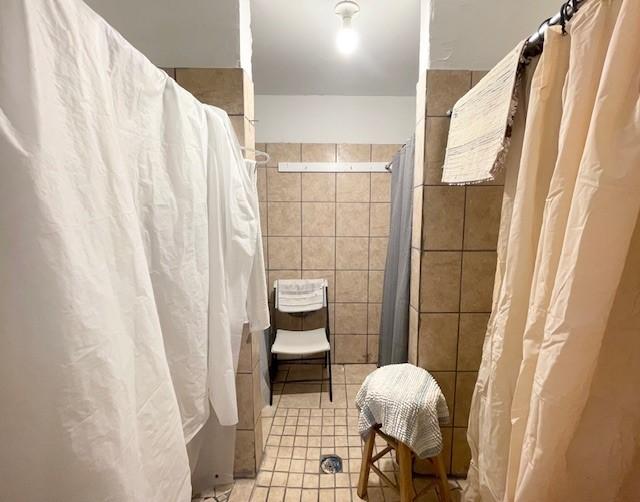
<point>555,416</point>
<point>129,236</point>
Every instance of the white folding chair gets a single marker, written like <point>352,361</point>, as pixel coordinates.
<point>301,342</point>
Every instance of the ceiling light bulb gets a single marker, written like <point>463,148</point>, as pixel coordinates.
<point>347,40</point>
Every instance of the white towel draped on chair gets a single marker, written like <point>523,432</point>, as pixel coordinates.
<point>300,295</point>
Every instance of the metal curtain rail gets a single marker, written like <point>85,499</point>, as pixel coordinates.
<point>390,163</point>
<point>535,41</point>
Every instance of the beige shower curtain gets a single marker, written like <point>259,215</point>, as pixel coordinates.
<point>555,416</point>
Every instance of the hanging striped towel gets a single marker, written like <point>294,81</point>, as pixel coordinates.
<point>481,122</point>
<point>300,295</point>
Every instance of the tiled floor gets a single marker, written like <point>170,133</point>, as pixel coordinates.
<point>300,427</point>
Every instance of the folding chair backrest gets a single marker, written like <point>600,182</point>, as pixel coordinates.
<point>300,295</point>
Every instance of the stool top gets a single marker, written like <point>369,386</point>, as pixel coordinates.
<point>408,404</point>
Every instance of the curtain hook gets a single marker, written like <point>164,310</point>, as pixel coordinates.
<point>563,16</point>
<point>574,7</point>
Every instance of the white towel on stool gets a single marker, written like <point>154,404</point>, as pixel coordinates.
<point>408,404</point>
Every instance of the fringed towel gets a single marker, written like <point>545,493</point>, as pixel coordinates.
<point>409,405</point>
<point>481,122</point>
<point>300,295</point>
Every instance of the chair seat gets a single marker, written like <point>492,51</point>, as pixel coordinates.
<point>300,342</point>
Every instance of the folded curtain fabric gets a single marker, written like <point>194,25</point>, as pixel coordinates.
<point>130,235</point>
<point>258,315</point>
<point>509,313</point>
<point>565,425</point>
<point>238,291</point>
<point>394,311</point>
<point>83,339</point>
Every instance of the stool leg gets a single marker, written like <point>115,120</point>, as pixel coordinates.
<point>443,484</point>
<point>405,474</point>
<point>365,465</point>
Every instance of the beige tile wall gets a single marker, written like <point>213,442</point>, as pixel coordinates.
<point>453,260</point>
<point>335,226</point>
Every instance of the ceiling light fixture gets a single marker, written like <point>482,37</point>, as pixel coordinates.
<point>347,39</point>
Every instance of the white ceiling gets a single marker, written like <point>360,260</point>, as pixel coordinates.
<point>294,48</point>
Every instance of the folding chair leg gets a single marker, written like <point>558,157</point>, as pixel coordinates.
<point>273,371</point>
<point>270,387</point>
<point>328,359</point>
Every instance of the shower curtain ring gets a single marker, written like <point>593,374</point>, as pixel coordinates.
<point>574,7</point>
<point>563,16</point>
<point>540,31</point>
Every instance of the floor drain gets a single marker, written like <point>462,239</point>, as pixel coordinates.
<point>220,494</point>
<point>330,464</point>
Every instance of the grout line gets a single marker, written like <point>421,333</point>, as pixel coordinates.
<point>301,219</point>
<point>369,261</point>
<point>455,382</point>
<point>332,340</point>
<point>457,250</point>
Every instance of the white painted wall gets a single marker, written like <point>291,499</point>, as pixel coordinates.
<point>184,33</point>
<point>246,38</point>
<point>425,26</point>
<point>334,119</point>
<point>474,34</point>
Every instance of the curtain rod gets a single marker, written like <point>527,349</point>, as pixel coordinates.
<point>390,163</point>
<point>534,42</point>
<point>534,45</point>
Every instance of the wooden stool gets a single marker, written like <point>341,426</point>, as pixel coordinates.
<point>405,458</point>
